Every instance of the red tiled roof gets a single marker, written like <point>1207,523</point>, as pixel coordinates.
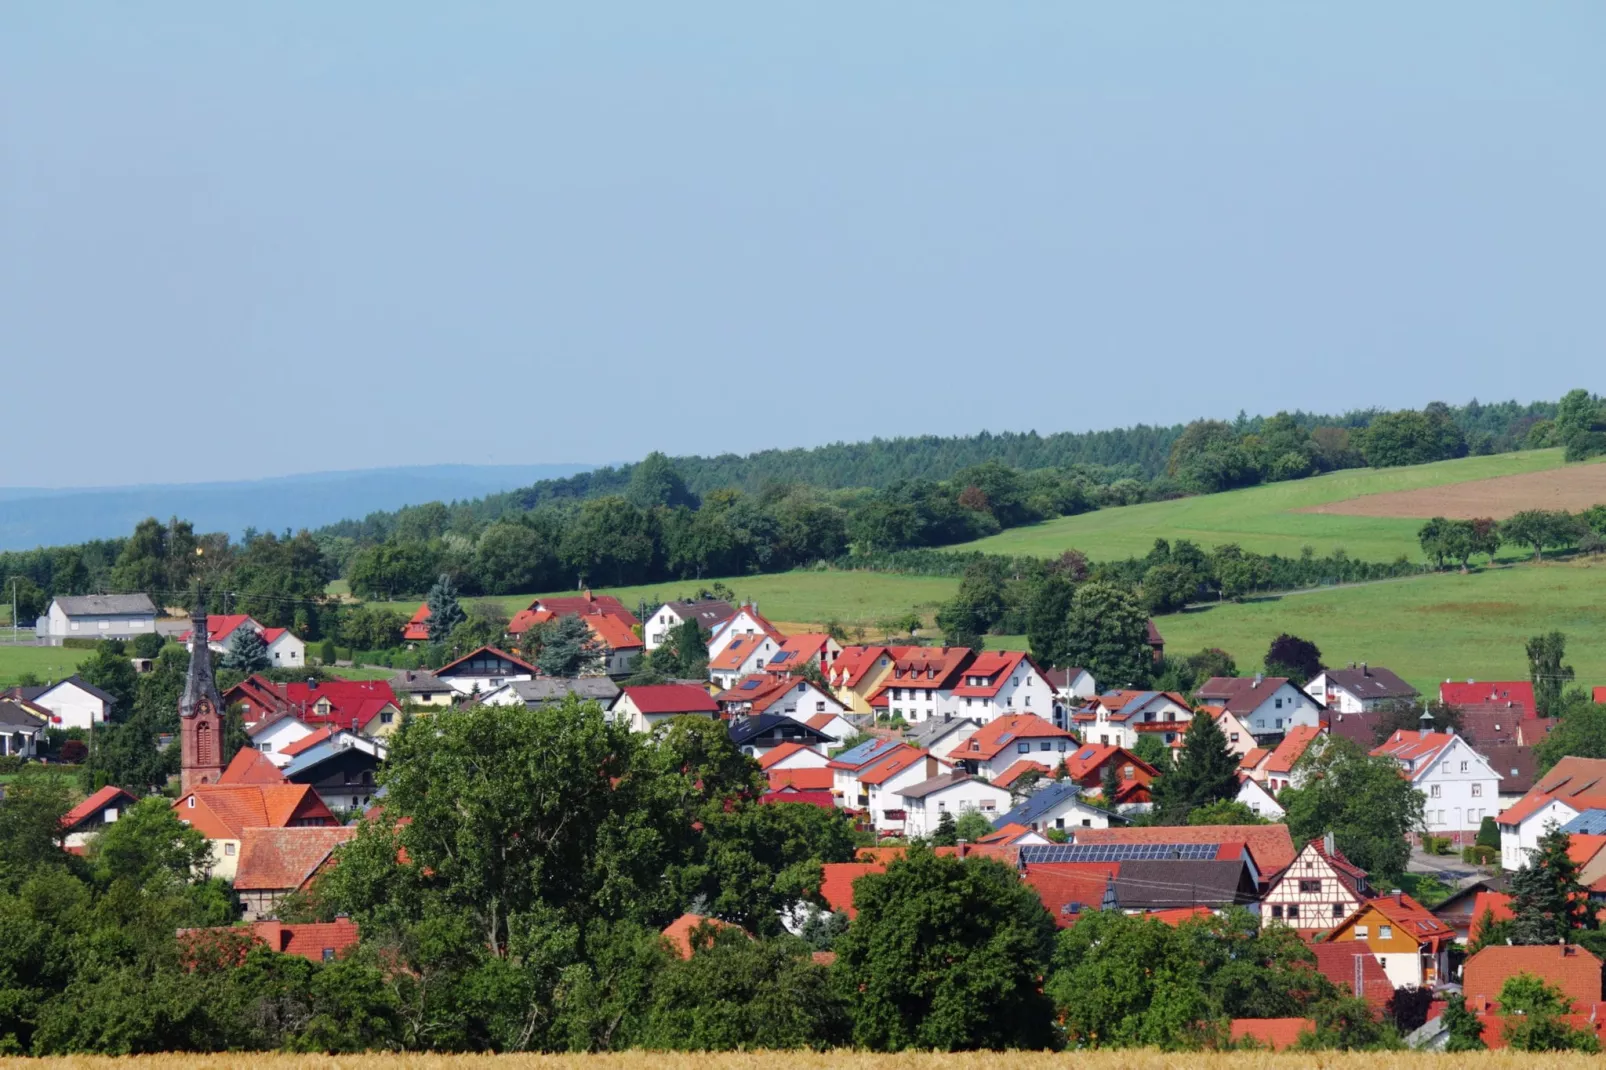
<point>737,651</point>
<point>351,702</point>
<point>927,668</point>
<point>416,629</point>
<point>224,811</point>
<point>789,794</point>
<point>678,933</point>
<point>1069,888</point>
<point>1581,847</point>
<point>1578,782</point>
<point>587,605</point>
<point>306,742</point>
<point>1337,961</point>
<point>991,668</point>
<point>1567,967</point>
<point>801,779</point>
<point>308,940</point>
<point>1274,1033</point>
<point>893,764</point>
<point>1014,772</point>
<point>251,766</point>
<point>1086,761</point>
<point>784,751</point>
<point>1252,758</point>
<point>798,650</point>
<point>1271,846</point>
<point>1518,694</point>
<point>991,738</point>
<point>820,720</point>
<point>853,664</point>
<point>1008,834</point>
<point>614,633</point>
<point>672,698</point>
<point>274,859</point>
<point>836,885</point>
<point>1292,748</point>
<point>1419,748</point>
<point>95,804</point>
<point>525,619</point>
<point>1600,695</point>
<point>1178,915</point>
<point>218,627</point>
<point>1409,918</point>
<point>1496,904</point>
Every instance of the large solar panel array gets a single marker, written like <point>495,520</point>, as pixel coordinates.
<point>1116,852</point>
<point>1588,823</point>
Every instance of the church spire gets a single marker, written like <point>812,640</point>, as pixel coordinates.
<point>200,708</point>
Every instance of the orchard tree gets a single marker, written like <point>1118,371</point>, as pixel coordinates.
<point>1548,671</point>
<point>1362,800</point>
<point>1107,633</point>
<point>947,954</point>
<point>1298,659</point>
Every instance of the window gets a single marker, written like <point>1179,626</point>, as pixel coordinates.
<point>1310,887</point>
<point>266,748</point>
<point>228,848</point>
<point>103,625</point>
<point>1477,791</point>
<point>109,815</point>
<point>1276,911</point>
<point>1127,772</point>
<point>1046,745</point>
<point>329,954</point>
<point>192,802</point>
<point>1028,701</point>
<point>1447,767</point>
<point>1338,910</point>
<point>1087,822</point>
<point>1385,932</point>
<point>1360,932</point>
<point>1279,722</point>
<point>75,626</point>
<point>1059,822</point>
<point>387,717</point>
<point>1023,748</point>
<point>1293,910</point>
<point>1233,738</point>
<point>970,702</point>
<point>1279,704</point>
<point>1433,791</point>
<point>1464,766</point>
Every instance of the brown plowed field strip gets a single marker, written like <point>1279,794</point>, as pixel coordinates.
<point>1572,488</point>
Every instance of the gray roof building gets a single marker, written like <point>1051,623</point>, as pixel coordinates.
<point>1170,883</point>
<point>548,689</point>
<point>106,605</point>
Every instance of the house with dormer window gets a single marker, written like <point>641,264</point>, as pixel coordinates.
<point>1002,742</point>
<point>746,623</point>
<point>484,670</point>
<point>743,656</point>
<point>1116,717</point>
<point>999,683</point>
<point>857,672</point>
<point>800,650</point>
<point>1459,788</point>
<point>921,683</point>
<point>1269,705</point>
<point>1318,891</point>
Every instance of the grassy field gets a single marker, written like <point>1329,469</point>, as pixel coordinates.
<point>1263,518</point>
<point>1427,628</point>
<point>808,597</point>
<point>832,1060</point>
<point>45,662</point>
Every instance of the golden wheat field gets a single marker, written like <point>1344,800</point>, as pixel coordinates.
<point>843,1060</point>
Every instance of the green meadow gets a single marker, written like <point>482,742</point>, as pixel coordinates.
<point>45,662</point>
<point>1262,519</point>
<point>809,596</point>
<point>1426,628</point>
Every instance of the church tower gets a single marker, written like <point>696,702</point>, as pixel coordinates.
<point>200,709</point>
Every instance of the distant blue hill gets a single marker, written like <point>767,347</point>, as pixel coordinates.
<point>32,516</point>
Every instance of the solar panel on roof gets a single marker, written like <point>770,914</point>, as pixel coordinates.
<point>1117,852</point>
<point>780,657</point>
<point>1006,737</point>
<point>749,685</point>
<point>1085,755</point>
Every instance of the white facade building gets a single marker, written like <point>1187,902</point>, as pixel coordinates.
<point>924,804</point>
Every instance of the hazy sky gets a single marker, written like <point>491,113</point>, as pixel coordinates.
<point>250,239</point>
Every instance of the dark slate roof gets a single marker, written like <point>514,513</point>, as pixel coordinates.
<point>1044,799</point>
<point>1490,725</point>
<point>747,729</point>
<point>14,718</point>
<point>85,685</point>
<point>545,689</point>
<point>106,605</point>
<point>1358,728</point>
<point>934,785</point>
<point>1372,682</point>
<point>1163,884</point>
<point>706,613</point>
<point>1515,765</point>
<point>417,681</point>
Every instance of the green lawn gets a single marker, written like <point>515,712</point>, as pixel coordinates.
<point>1427,628</point>
<point>805,597</point>
<point>45,662</point>
<point>1262,518</point>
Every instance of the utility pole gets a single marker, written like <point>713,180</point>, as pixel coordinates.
<point>13,609</point>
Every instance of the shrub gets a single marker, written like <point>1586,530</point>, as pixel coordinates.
<point>327,653</point>
<point>74,751</point>
<point>1479,855</point>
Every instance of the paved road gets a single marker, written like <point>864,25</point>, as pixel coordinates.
<point>1447,868</point>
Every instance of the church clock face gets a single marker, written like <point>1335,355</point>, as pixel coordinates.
<point>203,708</point>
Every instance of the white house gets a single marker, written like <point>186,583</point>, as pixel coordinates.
<point>999,683</point>
<point>923,804</point>
<point>1572,786</point>
<point>846,767</point>
<point>1072,687</point>
<point>272,735</point>
<point>884,781</point>
<point>944,736</point>
<point>484,670</point>
<point>709,614</point>
<point>20,731</point>
<point>1112,719</point>
<point>793,696</point>
<point>72,703</point>
<point>1269,705</point>
<point>1261,802</point>
<point>96,616</point>
<point>1004,741</point>
<point>645,708</point>
<point>746,621</point>
<point>1458,787</point>
<point>285,650</point>
<point>86,820</point>
<point>1056,804</point>
<point>792,756</point>
<point>1359,689</point>
<point>743,655</point>
<point>838,727</point>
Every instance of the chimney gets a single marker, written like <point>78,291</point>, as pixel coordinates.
<point>1327,842</point>
<point>963,846</point>
<point>1259,677</point>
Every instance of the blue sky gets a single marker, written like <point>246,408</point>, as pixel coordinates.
<point>244,240</point>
